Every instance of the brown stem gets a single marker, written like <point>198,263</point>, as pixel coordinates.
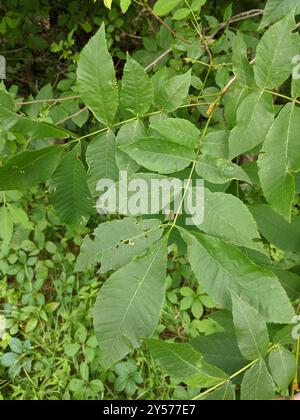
<point>162,22</point>
<point>237,18</point>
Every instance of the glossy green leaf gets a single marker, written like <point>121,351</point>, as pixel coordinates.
<point>129,304</point>
<point>251,329</point>
<point>96,79</point>
<point>227,269</point>
<point>280,157</point>
<point>28,169</point>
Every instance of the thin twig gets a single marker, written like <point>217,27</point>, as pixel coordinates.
<point>295,386</point>
<point>214,388</point>
<point>237,18</point>
<point>158,59</point>
<point>72,116</point>
<point>199,32</point>
<point>42,101</point>
<point>162,22</point>
<point>224,91</point>
<point>132,35</point>
<point>13,51</point>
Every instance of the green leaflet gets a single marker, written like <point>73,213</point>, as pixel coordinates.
<point>129,304</point>
<point>96,79</point>
<point>232,101</point>
<point>172,93</point>
<point>45,93</point>
<point>275,51</point>
<point>284,336</point>
<point>128,133</point>
<point>9,120</point>
<point>220,350</point>
<point>275,229</point>
<point>108,3</point>
<point>179,360</point>
<point>224,319</point>
<point>280,157</point>
<point>179,131</point>
<point>282,365</point>
<point>88,256</point>
<point>163,7</point>
<point>116,243</point>
<point>227,217</point>
<point>258,384</point>
<point>181,14</point>
<point>69,191</point>
<point>226,392</point>
<point>277,9</point>
<point>290,281</point>
<point>160,155</point>
<point>222,268</point>
<point>254,118</point>
<point>251,329</point>
<point>125,4</point>
<point>251,170</point>
<point>101,159</point>
<point>241,66</point>
<point>185,363</point>
<point>215,144</point>
<point>219,171</point>
<point>6,224</point>
<point>137,93</point>
<point>28,169</point>
<point>19,216</point>
<point>6,99</point>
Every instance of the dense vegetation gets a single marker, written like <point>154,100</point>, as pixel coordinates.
<point>140,304</point>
